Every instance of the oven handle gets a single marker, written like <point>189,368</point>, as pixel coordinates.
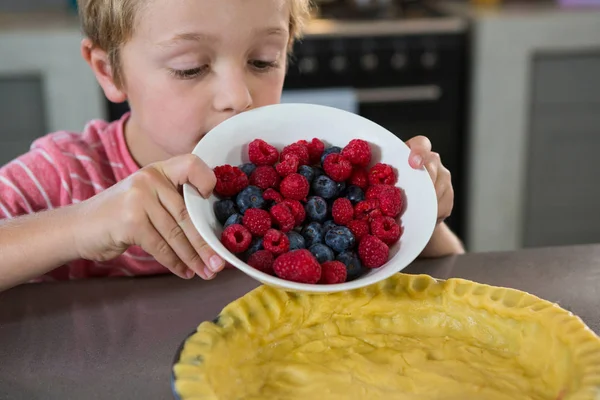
<point>399,94</point>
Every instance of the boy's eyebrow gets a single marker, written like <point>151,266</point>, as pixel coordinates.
<point>189,36</point>
<point>204,37</point>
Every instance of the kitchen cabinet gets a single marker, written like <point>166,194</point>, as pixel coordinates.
<point>45,85</point>
<point>562,194</point>
<point>534,125</point>
<point>21,114</point>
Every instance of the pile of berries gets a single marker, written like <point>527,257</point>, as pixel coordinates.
<point>308,213</point>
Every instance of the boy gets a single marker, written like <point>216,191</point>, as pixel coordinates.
<point>107,202</point>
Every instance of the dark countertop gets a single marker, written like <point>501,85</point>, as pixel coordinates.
<point>115,339</point>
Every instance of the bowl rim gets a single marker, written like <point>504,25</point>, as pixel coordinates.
<point>428,226</point>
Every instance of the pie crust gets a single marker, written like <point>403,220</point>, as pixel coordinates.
<point>408,337</point>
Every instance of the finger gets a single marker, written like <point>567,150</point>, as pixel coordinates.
<point>420,147</point>
<point>432,165</point>
<point>174,204</point>
<point>446,204</point>
<point>443,181</point>
<point>175,237</point>
<point>155,245</point>
<point>191,169</point>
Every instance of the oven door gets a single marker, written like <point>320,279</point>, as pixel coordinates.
<point>342,98</point>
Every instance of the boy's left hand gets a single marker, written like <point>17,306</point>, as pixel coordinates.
<point>421,155</point>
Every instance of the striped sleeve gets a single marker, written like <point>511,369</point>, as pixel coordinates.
<point>30,183</point>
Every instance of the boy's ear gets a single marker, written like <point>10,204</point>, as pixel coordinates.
<point>100,64</point>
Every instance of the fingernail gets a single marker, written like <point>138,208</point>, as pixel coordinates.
<point>208,272</point>
<point>417,161</point>
<point>215,263</point>
<point>189,274</point>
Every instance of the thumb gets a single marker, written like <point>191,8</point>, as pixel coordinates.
<point>189,168</point>
<point>420,147</point>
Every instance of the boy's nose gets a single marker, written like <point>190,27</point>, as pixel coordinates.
<point>232,94</point>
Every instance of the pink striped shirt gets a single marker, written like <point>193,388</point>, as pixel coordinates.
<point>63,168</point>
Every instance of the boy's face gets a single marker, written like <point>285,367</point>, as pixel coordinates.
<point>192,64</point>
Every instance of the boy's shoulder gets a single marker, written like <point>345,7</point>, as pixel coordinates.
<point>91,138</point>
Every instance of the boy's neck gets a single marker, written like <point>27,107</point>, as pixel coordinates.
<point>142,149</point>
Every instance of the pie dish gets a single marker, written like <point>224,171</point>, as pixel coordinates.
<point>407,337</point>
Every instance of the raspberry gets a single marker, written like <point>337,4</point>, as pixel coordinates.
<point>262,153</point>
<point>360,178</point>
<point>297,210</point>
<point>276,242</point>
<point>299,150</point>
<point>359,228</point>
<point>382,173</point>
<point>315,149</point>
<point>367,210</point>
<point>337,167</point>
<point>373,252</point>
<point>283,217</point>
<point>373,192</point>
<point>262,260</point>
<point>342,211</point>
<point>389,197</point>
<point>298,266</point>
<point>257,221</point>
<point>295,187</point>
<point>236,238</point>
<point>272,195</point>
<point>265,177</point>
<point>386,229</point>
<point>289,165</point>
<point>230,180</point>
<point>333,272</point>
<point>358,152</point>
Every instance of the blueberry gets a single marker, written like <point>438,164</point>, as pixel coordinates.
<point>322,253</point>
<point>250,197</point>
<point>325,187</point>
<point>341,188</point>
<point>256,245</point>
<point>328,225</point>
<point>316,209</point>
<point>248,168</point>
<point>354,268</point>
<point>332,149</point>
<point>233,219</point>
<point>296,240</point>
<point>339,239</point>
<point>224,209</point>
<point>355,194</point>
<point>307,172</point>
<point>313,233</point>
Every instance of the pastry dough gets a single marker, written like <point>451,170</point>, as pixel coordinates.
<point>408,337</point>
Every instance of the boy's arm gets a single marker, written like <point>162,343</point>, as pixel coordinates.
<point>443,242</point>
<point>33,245</point>
<point>34,229</point>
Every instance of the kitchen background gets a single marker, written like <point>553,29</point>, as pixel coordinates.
<point>507,91</point>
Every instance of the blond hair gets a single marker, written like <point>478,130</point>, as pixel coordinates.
<point>109,24</point>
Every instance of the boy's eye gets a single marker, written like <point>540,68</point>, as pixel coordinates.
<point>261,65</point>
<point>188,73</point>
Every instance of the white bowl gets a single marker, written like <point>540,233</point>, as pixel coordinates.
<point>283,124</point>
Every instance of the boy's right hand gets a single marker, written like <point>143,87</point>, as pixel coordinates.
<point>148,210</point>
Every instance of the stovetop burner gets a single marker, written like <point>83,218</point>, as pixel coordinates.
<point>390,10</point>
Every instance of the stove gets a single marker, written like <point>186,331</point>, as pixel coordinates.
<point>367,10</point>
